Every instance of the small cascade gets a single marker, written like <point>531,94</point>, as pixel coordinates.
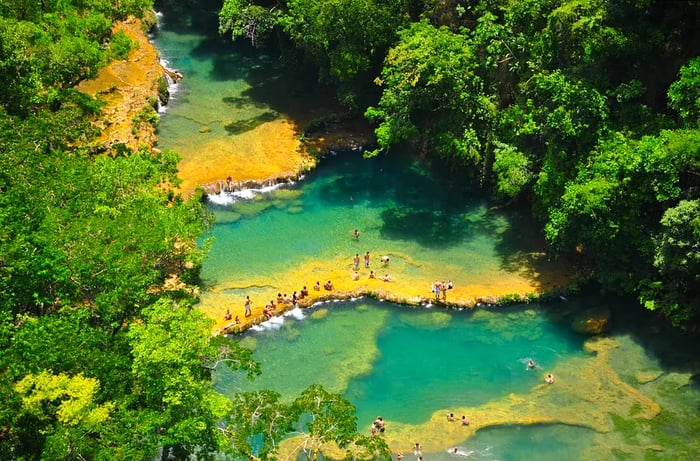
<point>169,86</point>
<point>226,192</point>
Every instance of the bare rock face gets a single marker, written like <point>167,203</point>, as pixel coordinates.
<point>592,321</point>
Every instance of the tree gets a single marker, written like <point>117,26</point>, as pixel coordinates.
<point>314,419</point>
<point>433,95</point>
<point>684,93</point>
<point>676,289</point>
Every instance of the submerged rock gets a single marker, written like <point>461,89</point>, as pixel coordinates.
<point>592,321</point>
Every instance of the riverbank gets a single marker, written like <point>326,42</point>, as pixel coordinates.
<point>129,90</point>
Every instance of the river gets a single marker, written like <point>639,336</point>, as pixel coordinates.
<point>631,393</point>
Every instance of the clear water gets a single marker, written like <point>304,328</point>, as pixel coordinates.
<point>414,365</point>
<point>407,362</point>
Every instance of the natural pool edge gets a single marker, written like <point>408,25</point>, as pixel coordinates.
<point>233,328</point>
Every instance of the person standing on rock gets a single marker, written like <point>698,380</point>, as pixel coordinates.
<point>248,306</point>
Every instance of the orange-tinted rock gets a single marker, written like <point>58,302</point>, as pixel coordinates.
<point>592,321</point>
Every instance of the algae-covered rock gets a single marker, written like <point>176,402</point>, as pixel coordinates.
<point>647,376</point>
<point>592,321</point>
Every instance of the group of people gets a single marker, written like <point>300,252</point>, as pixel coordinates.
<point>548,378</point>
<point>355,276</point>
<point>227,317</point>
<point>440,288</point>
<point>269,310</point>
<point>378,425</point>
<point>465,420</point>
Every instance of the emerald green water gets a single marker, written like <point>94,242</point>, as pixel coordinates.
<point>406,363</point>
<point>409,364</point>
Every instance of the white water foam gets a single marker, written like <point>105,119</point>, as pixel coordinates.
<point>228,198</point>
<point>172,85</point>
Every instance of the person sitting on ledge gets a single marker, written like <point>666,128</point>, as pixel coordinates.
<point>304,292</point>
<point>317,286</point>
<point>328,285</point>
<point>387,278</point>
<point>371,274</point>
<point>227,315</point>
<point>355,276</point>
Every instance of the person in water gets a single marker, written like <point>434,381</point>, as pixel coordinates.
<point>355,276</point>
<point>465,421</point>
<point>371,274</point>
<point>367,260</point>
<point>549,379</point>
<point>387,278</point>
<point>531,365</point>
<point>356,234</point>
<point>451,417</point>
<point>417,450</point>
<point>356,261</point>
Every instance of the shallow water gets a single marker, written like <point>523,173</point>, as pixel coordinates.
<point>414,365</point>
<point>411,365</point>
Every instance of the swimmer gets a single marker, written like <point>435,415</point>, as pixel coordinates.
<point>531,364</point>
<point>458,451</point>
<point>385,260</point>
<point>549,379</point>
<point>356,234</point>
<point>451,417</point>
<point>417,450</point>
<point>399,456</point>
<point>465,421</point>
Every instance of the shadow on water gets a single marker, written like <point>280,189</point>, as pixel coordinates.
<point>241,126</point>
<point>191,16</point>
<point>521,246</point>
<point>422,201</point>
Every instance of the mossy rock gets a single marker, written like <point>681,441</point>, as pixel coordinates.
<point>592,321</point>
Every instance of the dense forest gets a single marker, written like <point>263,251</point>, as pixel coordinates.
<point>587,110</point>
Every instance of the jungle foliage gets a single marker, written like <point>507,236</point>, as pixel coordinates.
<point>587,110</point>
<point>102,355</point>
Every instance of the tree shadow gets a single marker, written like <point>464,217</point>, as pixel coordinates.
<point>241,126</point>
<point>420,200</point>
